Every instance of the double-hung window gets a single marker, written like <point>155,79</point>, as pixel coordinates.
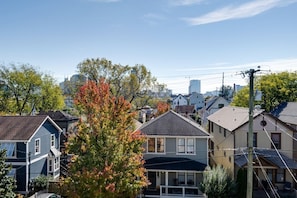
<point>155,145</point>
<point>37,146</point>
<point>186,145</point>
<point>52,140</point>
<point>276,139</point>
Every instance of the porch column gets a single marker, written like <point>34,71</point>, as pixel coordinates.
<point>166,182</point>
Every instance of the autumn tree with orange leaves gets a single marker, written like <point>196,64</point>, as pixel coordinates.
<point>108,161</point>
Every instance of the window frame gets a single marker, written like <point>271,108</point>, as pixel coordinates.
<point>37,148</point>
<point>186,146</point>
<point>158,145</point>
<point>53,140</point>
<point>14,152</point>
<point>279,145</point>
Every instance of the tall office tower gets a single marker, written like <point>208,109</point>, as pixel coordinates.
<point>195,86</point>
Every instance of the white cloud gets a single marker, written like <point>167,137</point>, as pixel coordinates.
<point>236,12</point>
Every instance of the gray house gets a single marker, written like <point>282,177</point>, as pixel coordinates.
<point>176,154</point>
<point>32,145</point>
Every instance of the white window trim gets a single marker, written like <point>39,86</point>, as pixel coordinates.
<point>36,153</point>
<point>186,177</point>
<point>55,164</point>
<point>156,145</point>
<point>186,146</point>
<point>53,161</point>
<point>53,140</point>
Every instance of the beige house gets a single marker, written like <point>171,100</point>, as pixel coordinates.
<point>272,140</point>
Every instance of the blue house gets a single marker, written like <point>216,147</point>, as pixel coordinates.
<point>176,154</point>
<point>32,145</point>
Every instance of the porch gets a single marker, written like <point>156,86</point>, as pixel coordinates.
<point>172,191</point>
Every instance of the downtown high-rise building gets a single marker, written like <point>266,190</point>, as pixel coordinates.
<point>195,86</point>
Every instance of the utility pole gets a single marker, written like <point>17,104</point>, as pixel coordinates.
<point>249,192</point>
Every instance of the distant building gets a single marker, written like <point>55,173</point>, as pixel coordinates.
<point>195,86</point>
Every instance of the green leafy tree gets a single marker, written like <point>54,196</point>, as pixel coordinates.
<point>7,183</point>
<point>23,90</point>
<point>129,81</point>
<point>217,183</point>
<point>276,88</point>
<point>39,183</point>
<point>108,153</point>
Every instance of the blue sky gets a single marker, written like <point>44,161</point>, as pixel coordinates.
<point>177,40</point>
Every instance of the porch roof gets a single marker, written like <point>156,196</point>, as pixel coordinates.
<point>173,164</point>
<point>269,155</point>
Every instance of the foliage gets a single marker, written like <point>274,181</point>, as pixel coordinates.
<point>241,98</point>
<point>162,107</point>
<point>129,81</point>
<point>276,88</point>
<point>108,154</point>
<point>23,90</point>
<point>217,183</point>
<point>7,183</point>
<point>226,92</point>
<point>241,182</point>
<point>39,183</point>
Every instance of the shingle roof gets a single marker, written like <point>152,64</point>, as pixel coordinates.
<point>286,112</point>
<point>269,155</point>
<point>59,115</point>
<point>172,124</point>
<point>173,163</point>
<point>232,118</point>
<point>20,127</point>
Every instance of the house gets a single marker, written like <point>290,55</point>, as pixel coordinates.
<point>176,154</point>
<point>287,112</point>
<point>68,124</point>
<point>32,145</point>
<point>196,99</point>
<point>212,104</point>
<point>186,110</point>
<point>272,145</point>
<point>179,100</point>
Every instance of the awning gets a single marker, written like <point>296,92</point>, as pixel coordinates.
<point>269,155</point>
<point>173,164</point>
<point>55,152</point>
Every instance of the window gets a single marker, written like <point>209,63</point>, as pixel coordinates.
<point>280,175</point>
<point>50,165</point>
<point>186,178</point>
<point>12,173</point>
<point>57,163</point>
<point>52,140</point>
<point>186,145</point>
<point>224,132</point>
<point>37,146</point>
<point>10,148</point>
<point>156,145</point>
<point>255,139</point>
<point>212,146</point>
<point>211,126</point>
<point>276,139</point>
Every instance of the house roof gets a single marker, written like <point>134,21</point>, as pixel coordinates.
<point>286,112</point>
<point>173,124</point>
<point>174,164</point>
<point>270,155</point>
<point>59,115</point>
<point>21,127</point>
<point>232,118</point>
<point>185,109</point>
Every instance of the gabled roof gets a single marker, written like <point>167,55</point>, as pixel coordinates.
<point>185,109</point>
<point>286,112</point>
<point>232,118</point>
<point>173,164</point>
<point>269,155</point>
<point>21,128</point>
<point>59,115</point>
<point>173,124</point>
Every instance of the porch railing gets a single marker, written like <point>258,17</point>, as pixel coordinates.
<point>180,191</point>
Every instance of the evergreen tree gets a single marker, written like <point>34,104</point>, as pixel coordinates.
<point>108,153</point>
<point>217,183</point>
<point>7,183</point>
